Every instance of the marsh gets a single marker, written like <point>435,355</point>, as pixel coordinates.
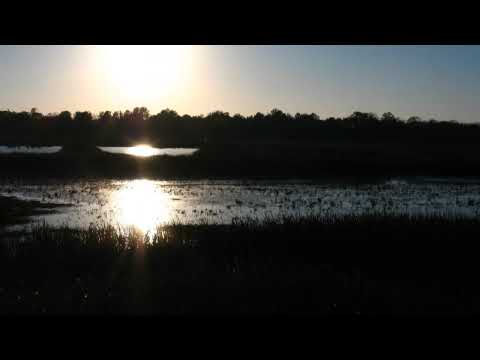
<point>146,203</point>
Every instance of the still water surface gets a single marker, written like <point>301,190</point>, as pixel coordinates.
<point>145,151</point>
<point>29,149</point>
<point>139,150</point>
<point>144,204</point>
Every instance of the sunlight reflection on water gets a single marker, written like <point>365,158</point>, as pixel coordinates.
<point>144,204</point>
<point>141,204</point>
<point>147,150</point>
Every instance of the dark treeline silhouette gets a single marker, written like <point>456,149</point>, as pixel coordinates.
<point>168,128</point>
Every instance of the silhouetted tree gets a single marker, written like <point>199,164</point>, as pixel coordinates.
<point>35,114</point>
<point>65,116</point>
<point>389,118</point>
<point>277,114</point>
<point>413,120</point>
<point>83,117</point>
<point>140,114</point>
<point>170,129</point>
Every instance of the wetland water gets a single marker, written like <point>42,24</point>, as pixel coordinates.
<point>141,150</point>
<point>29,149</point>
<point>145,204</point>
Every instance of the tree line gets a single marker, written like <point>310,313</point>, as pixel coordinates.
<point>168,128</point>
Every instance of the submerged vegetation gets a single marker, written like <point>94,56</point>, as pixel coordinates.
<point>327,266</point>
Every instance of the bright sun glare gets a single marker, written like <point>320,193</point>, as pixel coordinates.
<point>142,204</point>
<point>142,150</point>
<point>143,73</point>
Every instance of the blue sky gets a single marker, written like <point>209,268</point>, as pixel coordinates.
<point>440,82</point>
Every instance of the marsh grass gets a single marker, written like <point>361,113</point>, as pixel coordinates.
<point>328,266</point>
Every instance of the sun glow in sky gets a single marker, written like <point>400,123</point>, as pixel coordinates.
<point>143,73</point>
<point>441,82</point>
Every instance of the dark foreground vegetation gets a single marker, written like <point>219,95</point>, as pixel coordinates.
<point>346,266</point>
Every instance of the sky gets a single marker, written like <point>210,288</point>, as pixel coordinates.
<point>441,82</point>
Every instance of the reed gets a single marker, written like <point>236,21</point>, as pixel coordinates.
<point>328,266</point>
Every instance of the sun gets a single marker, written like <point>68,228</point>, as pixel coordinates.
<point>142,73</point>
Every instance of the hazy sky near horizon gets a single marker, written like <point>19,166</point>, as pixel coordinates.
<point>441,82</point>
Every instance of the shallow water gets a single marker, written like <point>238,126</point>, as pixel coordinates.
<point>29,149</point>
<point>129,150</point>
<point>152,151</point>
<point>146,203</point>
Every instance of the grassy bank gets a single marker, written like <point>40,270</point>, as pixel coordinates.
<point>338,266</point>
